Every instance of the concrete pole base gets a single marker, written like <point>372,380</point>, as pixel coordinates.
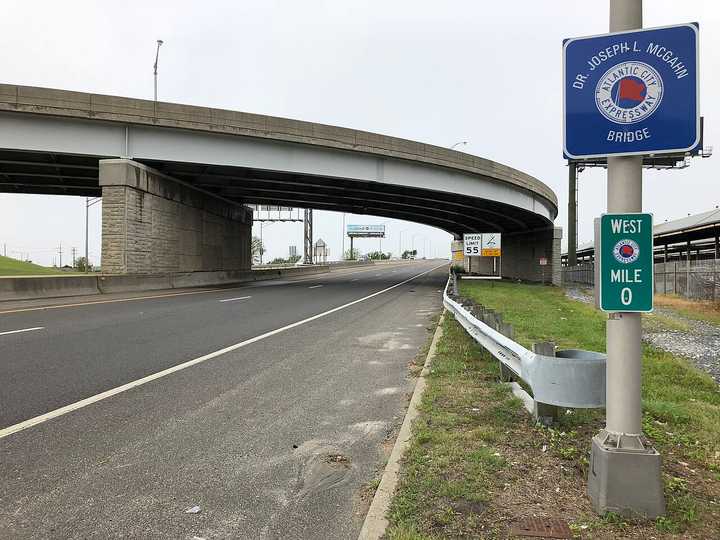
<point>625,479</point>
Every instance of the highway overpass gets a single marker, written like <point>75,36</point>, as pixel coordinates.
<point>174,200</point>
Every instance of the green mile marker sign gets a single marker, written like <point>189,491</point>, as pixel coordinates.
<point>626,262</point>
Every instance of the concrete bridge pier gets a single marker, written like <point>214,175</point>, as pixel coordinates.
<point>152,223</point>
<point>523,253</point>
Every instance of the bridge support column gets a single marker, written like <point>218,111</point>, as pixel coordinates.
<point>152,223</point>
<point>523,253</point>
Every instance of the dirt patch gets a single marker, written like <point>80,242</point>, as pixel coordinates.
<point>322,472</point>
<point>338,458</point>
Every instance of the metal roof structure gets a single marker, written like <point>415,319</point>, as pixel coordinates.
<point>697,233</point>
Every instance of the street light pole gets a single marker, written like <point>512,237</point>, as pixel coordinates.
<point>400,242</point>
<point>89,201</point>
<point>87,228</point>
<point>413,240</point>
<point>342,255</point>
<point>155,72</point>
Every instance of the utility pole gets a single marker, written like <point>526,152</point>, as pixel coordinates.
<point>624,472</point>
<point>60,252</point>
<point>73,256</point>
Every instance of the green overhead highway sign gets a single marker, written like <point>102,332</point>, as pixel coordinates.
<point>626,262</point>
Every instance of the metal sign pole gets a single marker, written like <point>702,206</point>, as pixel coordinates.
<point>624,476</point>
<point>572,214</point>
<point>624,333</point>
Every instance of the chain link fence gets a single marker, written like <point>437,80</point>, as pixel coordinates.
<point>699,280</point>
<point>581,274</point>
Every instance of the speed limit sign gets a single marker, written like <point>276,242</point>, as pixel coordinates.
<point>472,243</point>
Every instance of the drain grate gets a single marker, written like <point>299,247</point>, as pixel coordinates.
<point>542,527</point>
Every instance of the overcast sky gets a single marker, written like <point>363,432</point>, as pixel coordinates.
<point>432,71</point>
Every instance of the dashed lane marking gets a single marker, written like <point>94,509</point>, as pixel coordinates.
<point>233,299</point>
<point>23,330</point>
<point>160,374</point>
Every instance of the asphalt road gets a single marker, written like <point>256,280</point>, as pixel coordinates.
<point>268,406</point>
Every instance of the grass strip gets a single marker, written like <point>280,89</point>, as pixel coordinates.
<point>477,464</point>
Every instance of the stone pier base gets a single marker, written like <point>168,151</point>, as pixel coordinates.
<point>523,255</point>
<point>152,223</point>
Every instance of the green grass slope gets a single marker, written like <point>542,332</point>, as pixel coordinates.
<point>13,267</point>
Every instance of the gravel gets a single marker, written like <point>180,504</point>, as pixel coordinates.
<point>700,343</point>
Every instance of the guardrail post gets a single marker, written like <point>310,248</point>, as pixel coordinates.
<point>543,412</point>
<point>491,318</point>
<point>478,311</point>
<point>506,375</point>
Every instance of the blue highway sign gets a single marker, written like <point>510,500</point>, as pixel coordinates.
<point>631,93</point>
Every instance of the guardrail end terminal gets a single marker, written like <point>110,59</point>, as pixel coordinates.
<point>544,413</point>
<point>575,378</point>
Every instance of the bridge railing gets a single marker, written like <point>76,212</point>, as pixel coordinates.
<point>570,378</point>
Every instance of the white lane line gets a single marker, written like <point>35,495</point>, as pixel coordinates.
<point>139,382</point>
<point>314,286</point>
<point>238,298</point>
<point>23,330</point>
<point>354,279</point>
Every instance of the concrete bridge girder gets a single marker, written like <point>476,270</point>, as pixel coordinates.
<point>51,141</point>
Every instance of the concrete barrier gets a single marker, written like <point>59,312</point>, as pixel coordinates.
<point>210,279</point>
<point>28,287</point>
<point>296,271</point>
<point>120,283</point>
<point>36,287</point>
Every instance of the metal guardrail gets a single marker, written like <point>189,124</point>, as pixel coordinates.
<point>572,378</point>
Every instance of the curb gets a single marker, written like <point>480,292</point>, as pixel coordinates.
<point>375,522</point>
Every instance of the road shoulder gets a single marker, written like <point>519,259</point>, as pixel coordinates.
<point>375,522</point>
